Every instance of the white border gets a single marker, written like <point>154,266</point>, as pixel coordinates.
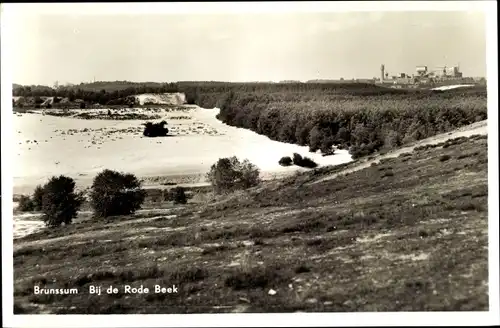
<point>224,320</point>
<point>245,7</point>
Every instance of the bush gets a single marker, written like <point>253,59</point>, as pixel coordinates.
<point>60,203</point>
<point>37,198</point>
<point>285,161</point>
<point>303,161</point>
<point>82,105</point>
<point>155,129</point>
<point>25,204</point>
<point>229,174</point>
<point>178,195</point>
<point>297,158</point>
<point>115,193</point>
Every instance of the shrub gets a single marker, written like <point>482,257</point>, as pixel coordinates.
<point>115,193</point>
<point>82,105</point>
<point>297,158</point>
<point>285,161</point>
<point>178,195</point>
<point>25,204</point>
<point>155,129</point>
<point>230,174</point>
<point>303,161</point>
<point>37,198</point>
<point>60,203</point>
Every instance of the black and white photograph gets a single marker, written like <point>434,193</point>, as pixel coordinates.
<point>266,163</point>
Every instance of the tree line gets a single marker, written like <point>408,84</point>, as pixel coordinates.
<point>105,94</point>
<point>362,117</point>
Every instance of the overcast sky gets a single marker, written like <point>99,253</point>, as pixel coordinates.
<point>244,47</point>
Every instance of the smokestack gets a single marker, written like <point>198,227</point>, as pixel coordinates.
<point>382,70</point>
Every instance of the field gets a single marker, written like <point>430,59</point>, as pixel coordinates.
<point>406,234</point>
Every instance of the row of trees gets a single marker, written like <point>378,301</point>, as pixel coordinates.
<point>206,93</point>
<point>113,193</point>
<point>99,93</point>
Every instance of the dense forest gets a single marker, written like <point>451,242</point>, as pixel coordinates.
<point>360,116</point>
<point>105,93</point>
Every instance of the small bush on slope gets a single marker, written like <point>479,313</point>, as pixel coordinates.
<point>115,193</point>
<point>230,174</point>
<point>60,203</point>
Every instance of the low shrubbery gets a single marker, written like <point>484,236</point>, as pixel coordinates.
<point>229,174</point>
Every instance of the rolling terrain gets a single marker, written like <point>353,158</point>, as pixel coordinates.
<point>406,234</point>
<point>394,220</point>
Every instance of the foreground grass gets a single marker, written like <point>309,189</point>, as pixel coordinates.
<point>408,234</point>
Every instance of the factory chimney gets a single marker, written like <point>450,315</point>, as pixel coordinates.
<point>382,69</point>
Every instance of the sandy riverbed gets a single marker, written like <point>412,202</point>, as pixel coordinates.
<point>45,145</point>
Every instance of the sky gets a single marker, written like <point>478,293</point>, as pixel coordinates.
<point>243,47</point>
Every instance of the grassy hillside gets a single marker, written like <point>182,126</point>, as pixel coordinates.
<point>408,234</point>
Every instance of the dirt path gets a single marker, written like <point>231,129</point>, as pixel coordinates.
<point>466,131</point>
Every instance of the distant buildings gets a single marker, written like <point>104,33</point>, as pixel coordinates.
<point>441,75</point>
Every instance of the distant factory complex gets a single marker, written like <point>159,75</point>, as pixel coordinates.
<point>422,77</point>
<point>440,75</point>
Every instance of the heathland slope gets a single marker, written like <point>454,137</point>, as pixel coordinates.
<point>407,234</point>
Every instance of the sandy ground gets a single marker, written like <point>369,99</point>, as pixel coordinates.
<point>46,145</point>
<point>167,98</point>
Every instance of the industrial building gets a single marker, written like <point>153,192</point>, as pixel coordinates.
<point>423,75</point>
